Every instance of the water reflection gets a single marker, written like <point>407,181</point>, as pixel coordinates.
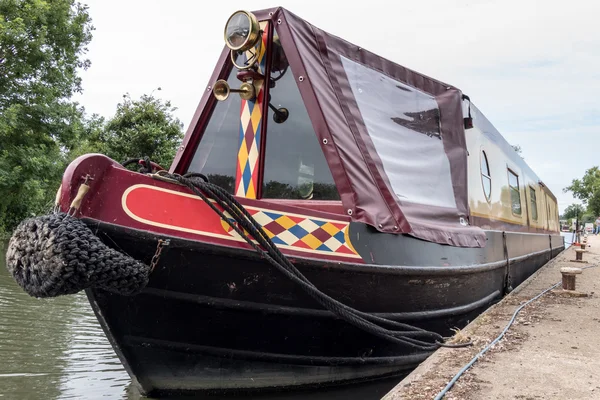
<point>568,237</point>
<point>54,348</point>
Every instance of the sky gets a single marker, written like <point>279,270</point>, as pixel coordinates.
<point>532,67</point>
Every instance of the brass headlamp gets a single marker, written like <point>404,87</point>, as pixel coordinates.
<point>242,33</point>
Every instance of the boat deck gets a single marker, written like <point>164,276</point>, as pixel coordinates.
<point>552,350</point>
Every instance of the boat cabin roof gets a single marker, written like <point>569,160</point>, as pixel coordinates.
<point>393,139</point>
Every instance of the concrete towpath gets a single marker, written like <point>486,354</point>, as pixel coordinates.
<point>551,352</point>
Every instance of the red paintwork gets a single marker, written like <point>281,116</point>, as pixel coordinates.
<point>108,180</point>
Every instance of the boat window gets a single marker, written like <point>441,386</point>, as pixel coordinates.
<point>404,125</point>
<point>486,179</point>
<point>515,194</point>
<point>295,166</point>
<point>533,200</point>
<point>216,155</point>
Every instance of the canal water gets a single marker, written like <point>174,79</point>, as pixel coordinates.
<point>55,349</point>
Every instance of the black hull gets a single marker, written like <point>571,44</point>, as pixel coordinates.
<point>219,320</point>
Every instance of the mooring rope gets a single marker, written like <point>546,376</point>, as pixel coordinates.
<point>393,331</point>
<point>58,254</point>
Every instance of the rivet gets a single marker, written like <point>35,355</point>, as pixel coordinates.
<point>349,212</point>
<point>395,228</point>
<point>324,141</point>
<point>181,147</point>
<point>380,226</point>
<point>300,78</point>
<point>279,22</point>
<point>208,89</point>
<point>271,14</point>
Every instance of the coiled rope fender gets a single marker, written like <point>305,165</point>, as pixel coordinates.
<point>57,254</point>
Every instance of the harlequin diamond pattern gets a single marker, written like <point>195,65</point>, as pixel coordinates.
<point>246,181</point>
<point>304,232</point>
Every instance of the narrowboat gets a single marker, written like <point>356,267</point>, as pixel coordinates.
<point>392,202</point>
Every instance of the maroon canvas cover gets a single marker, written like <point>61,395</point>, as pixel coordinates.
<point>393,138</point>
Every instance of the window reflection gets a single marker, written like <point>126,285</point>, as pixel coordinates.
<point>486,179</point>
<point>216,155</point>
<point>515,194</point>
<point>403,124</point>
<point>295,167</point>
<point>533,199</point>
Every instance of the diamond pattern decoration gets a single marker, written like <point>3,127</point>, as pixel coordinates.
<point>303,232</point>
<point>246,180</point>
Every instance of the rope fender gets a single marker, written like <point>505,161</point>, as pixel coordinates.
<point>57,254</point>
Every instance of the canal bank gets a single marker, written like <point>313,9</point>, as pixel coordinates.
<point>551,351</point>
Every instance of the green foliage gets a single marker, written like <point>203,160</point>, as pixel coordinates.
<point>573,211</point>
<point>143,127</point>
<point>587,189</point>
<point>587,217</point>
<point>41,47</point>
<point>89,138</point>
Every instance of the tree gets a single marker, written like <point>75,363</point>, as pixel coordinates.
<point>587,189</point>
<point>42,44</point>
<point>573,211</point>
<point>144,127</point>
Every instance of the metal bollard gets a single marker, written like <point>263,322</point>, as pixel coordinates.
<point>579,254</point>
<point>569,275</point>
<point>583,244</point>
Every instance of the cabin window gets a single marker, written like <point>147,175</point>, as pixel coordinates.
<point>486,179</point>
<point>515,194</point>
<point>216,155</point>
<point>533,200</point>
<point>404,125</point>
<point>295,166</point>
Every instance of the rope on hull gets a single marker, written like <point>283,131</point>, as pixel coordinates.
<point>58,254</point>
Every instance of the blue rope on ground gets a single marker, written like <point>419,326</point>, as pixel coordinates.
<point>464,369</point>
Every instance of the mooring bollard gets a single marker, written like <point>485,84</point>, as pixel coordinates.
<point>568,277</point>
<point>583,245</point>
<point>579,255</point>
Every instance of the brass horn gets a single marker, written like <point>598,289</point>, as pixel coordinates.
<point>221,90</point>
